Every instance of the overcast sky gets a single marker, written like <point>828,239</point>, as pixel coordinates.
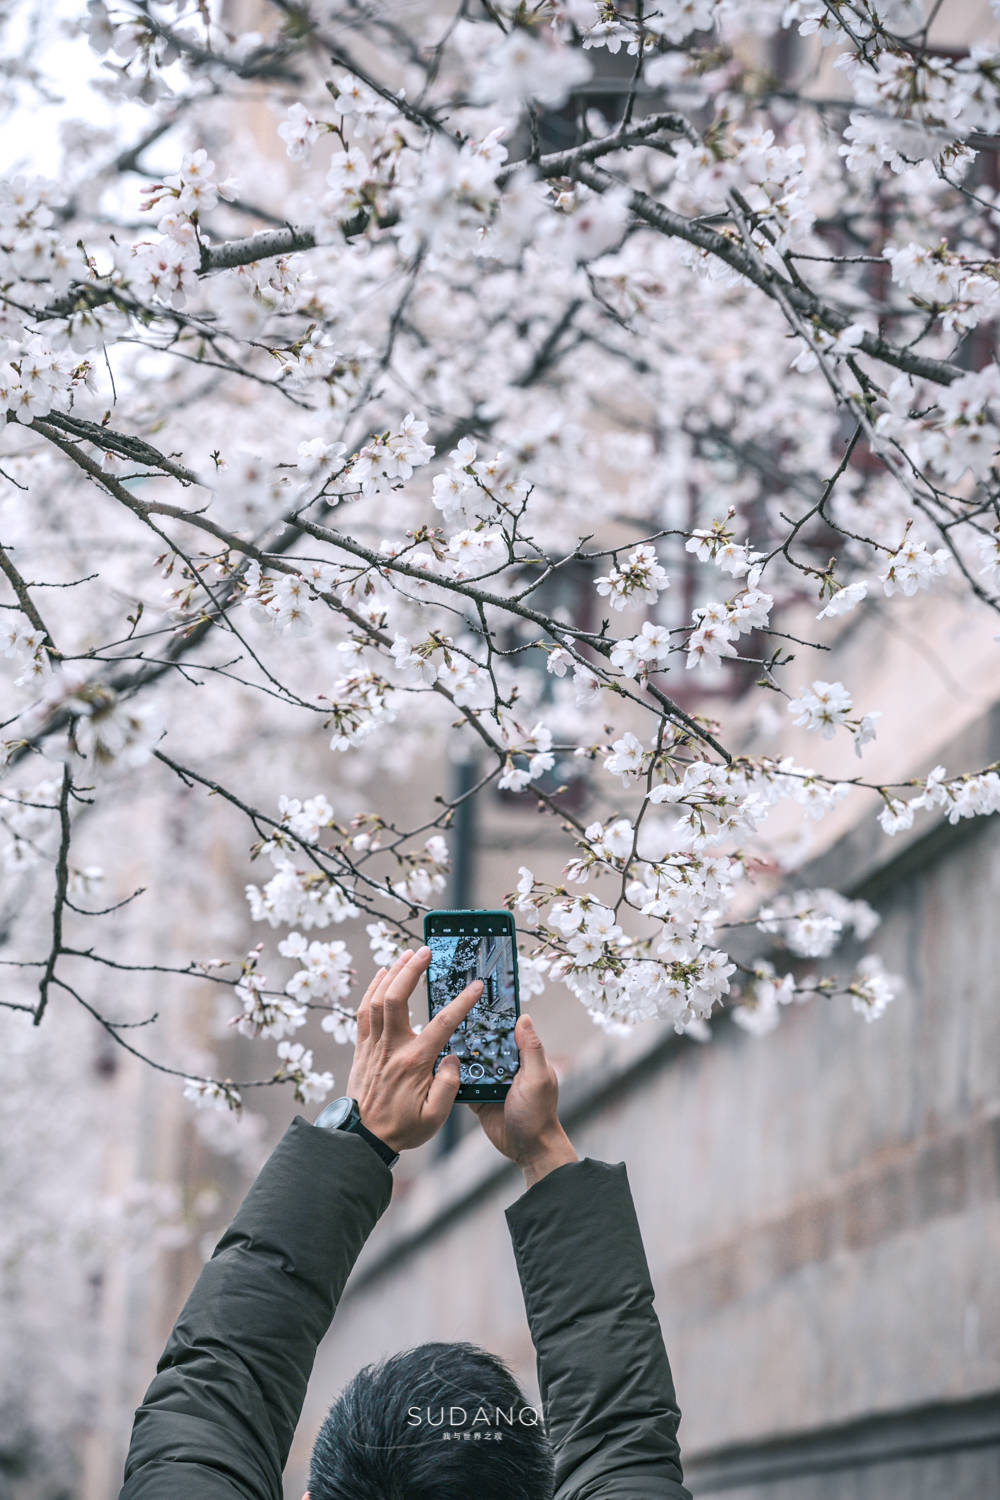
<point>30,133</point>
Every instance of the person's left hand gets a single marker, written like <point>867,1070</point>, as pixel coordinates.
<point>400,1097</point>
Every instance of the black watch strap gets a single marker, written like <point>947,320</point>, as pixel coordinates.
<point>340,1119</point>
<point>387,1154</point>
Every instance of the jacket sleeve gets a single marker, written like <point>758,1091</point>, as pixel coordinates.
<point>603,1374</point>
<point>218,1420</point>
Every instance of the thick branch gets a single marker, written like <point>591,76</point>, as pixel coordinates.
<point>657,216</point>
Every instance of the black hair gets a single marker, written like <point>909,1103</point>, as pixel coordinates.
<point>441,1421</point>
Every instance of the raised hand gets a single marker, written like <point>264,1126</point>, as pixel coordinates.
<point>526,1126</point>
<point>400,1097</point>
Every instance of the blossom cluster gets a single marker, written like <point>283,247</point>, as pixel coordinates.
<point>811,923</point>
<point>166,270</point>
<point>33,254</point>
<point>965,796</point>
<point>473,489</point>
<point>36,379</point>
<point>263,1013</point>
<point>639,580</point>
<point>298,897</point>
<point>718,625</point>
<point>825,706</point>
<point>674,971</point>
<point>26,644</point>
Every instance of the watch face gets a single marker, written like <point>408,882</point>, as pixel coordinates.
<point>336,1113</point>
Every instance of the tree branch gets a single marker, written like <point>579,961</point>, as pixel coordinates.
<point>62,880</point>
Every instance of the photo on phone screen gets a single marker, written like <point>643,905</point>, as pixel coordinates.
<point>466,946</point>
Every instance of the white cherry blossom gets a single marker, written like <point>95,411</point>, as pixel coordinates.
<point>913,567</point>
<point>824,706</point>
<point>845,599</point>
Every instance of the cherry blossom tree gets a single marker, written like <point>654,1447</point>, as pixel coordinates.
<point>333,465</point>
<point>507,379</point>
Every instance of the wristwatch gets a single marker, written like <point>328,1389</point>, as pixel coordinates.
<point>344,1114</point>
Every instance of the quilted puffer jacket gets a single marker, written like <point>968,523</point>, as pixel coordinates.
<point>218,1419</point>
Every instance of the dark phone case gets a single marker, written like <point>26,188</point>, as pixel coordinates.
<point>470,1093</point>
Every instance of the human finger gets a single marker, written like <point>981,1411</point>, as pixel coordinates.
<point>441,1094</point>
<point>376,991</point>
<point>530,1051</point>
<point>440,1027</point>
<point>376,1003</point>
<point>362,1015</point>
<point>488,1113</point>
<point>396,1012</point>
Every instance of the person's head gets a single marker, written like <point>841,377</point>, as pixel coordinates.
<point>438,1422</point>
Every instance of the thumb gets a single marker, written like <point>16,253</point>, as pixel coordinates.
<point>529,1045</point>
<point>444,1087</point>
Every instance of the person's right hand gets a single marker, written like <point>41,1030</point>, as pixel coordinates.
<point>525,1127</point>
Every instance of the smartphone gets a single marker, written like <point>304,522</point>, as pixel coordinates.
<point>469,945</point>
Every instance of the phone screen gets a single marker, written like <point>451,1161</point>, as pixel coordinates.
<point>466,946</point>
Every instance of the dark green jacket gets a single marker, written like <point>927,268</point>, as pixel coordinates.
<point>218,1420</point>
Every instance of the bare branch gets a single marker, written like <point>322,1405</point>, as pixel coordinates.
<point>62,881</point>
